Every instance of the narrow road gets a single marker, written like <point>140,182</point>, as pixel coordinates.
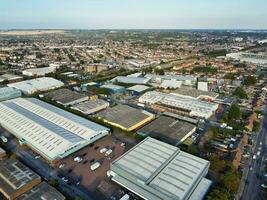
<point>255,175</point>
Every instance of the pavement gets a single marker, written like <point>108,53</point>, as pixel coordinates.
<point>254,172</point>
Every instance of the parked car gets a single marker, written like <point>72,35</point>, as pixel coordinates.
<point>95,166</point>
<point>4,139</point>
<point>103,150</point>
<point>65,179</point>
<point>78,159</point>
<point>61,165</point>
<point>108,152</point>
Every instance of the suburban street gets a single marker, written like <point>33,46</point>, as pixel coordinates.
<point>255,171</point>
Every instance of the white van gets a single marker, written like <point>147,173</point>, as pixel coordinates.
<point>95,166</point>
<point>108,152</point>
<point>103,150</point>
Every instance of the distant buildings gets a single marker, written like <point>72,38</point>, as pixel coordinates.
<point>249,57</point>
<point>37,85</point>
<point>48,130</point>
<point>186,80</point>
<point>38,71</point>
<point>156,170</point>
<point>196,94</point>
<point>16,179</point>
<point>181,104</point>
<point>115,89</point>
<point>10,78</point>
<point>7,93</point>
<point>171,84</point>
<point>202,86</point>
<point>96,68</point>
<point>138,89</point>
<point>131,80</point>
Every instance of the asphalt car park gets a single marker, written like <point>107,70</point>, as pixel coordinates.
<point>80,172</point>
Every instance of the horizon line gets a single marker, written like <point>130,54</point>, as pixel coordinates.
<point>93,29</point>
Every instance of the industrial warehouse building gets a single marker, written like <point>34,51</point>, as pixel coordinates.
<point>38,71</point>
<point>168,129</point>
<point>126,117</point>
<point>65,97</point>
<point>43,191</point>
<point>91,106</point>
<point>196,94</point>
<point>115,89</point>
<point>181,104</point>
<point>186,80</point>
<point>131,80</point>
<point>48,130</point>
<point>10,78</point>
<point>37,85</point>
<point>7,93</point>
<point>16,178</point>
<point>155,170</point>
<point>138,89</point>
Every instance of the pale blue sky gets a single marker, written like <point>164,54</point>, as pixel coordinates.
<point>121,14</point>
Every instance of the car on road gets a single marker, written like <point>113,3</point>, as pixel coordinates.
<point>261,143</point>
<point>254,157</point>
<point>258,153</point>
<point>37,157</point>
<point>264,186</point>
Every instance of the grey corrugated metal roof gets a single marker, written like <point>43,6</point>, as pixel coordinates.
<point>160,171</point>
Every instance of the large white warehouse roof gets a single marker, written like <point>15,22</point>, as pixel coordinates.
<point>51,131</point>
<point>38,84</point>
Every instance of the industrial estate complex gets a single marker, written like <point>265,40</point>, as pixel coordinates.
<point>134,114</point>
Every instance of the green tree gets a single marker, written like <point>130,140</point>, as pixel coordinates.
<point>217,164</point>
<point>240,93</point>
<point>218,194</point>
<point>54,183</point>
<point>230,181</point>
<point>234,112</point>
<point>250,80</point>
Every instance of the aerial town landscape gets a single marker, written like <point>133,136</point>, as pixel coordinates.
<point>132,114</point>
